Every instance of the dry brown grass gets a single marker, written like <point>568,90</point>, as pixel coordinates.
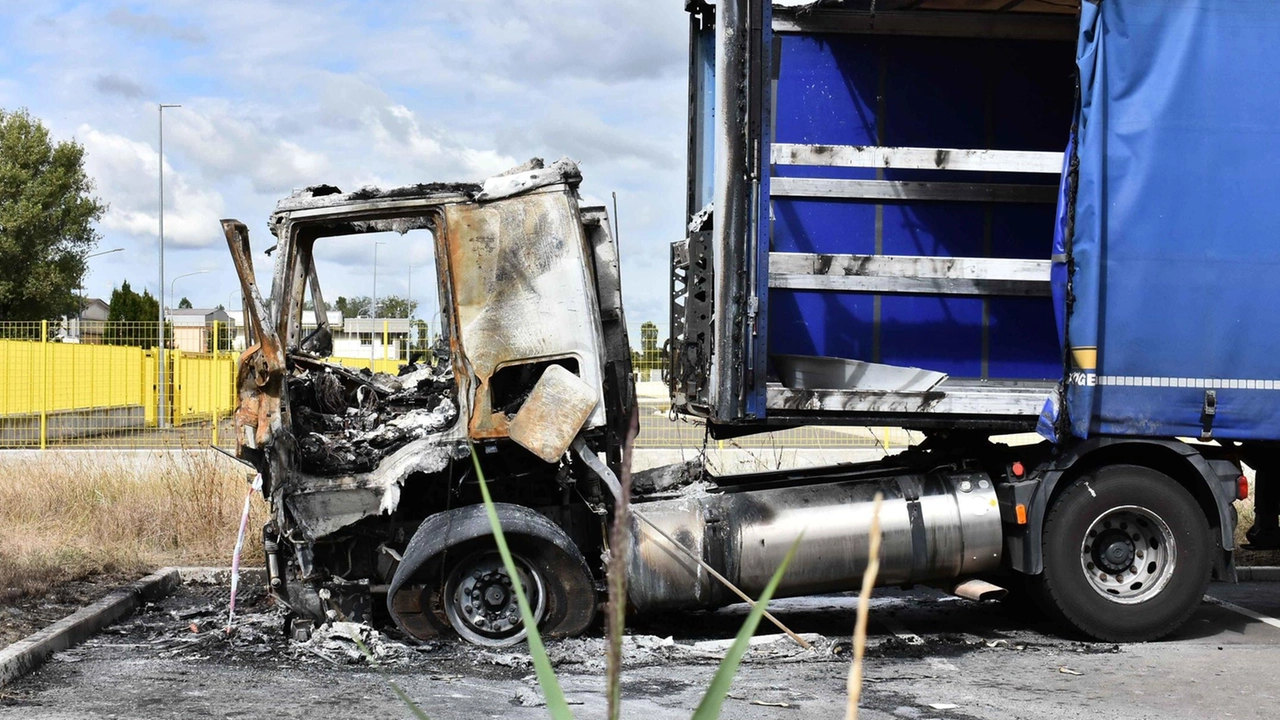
<point>65,516</point>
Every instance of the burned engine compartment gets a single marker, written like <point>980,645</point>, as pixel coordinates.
<point>347,421</point>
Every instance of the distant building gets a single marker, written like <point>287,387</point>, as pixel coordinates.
<point>352,337</point>
<point>92,320</point>
<point>87,327</point>
<point>193,328</point>
<point>359,337</point>
<point>238,330</point>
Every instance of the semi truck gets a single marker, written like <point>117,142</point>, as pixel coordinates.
<point>967,218</point>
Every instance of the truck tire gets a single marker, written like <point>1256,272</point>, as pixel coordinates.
<point>1127,555</point>
<point>451,579</point>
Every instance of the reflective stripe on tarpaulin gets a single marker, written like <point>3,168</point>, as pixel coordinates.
<point>1174,248</point>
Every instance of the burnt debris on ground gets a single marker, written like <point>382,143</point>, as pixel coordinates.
<point>349,420</point>
<point>190,625</point>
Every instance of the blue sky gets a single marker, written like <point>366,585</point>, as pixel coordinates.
<point>280,95</point>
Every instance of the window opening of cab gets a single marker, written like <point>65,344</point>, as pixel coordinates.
<point>511,384</point>
<point>404,326</point>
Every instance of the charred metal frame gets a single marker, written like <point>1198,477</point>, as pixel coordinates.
<point>509,298</point>
<point>739,231</point>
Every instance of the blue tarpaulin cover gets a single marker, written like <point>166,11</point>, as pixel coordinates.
<point>1176,246</point>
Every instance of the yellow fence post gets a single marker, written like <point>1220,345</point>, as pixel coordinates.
<point>175,403</point>
<point>213,386</point>
<point>44,384</point>
<point>385,323</point>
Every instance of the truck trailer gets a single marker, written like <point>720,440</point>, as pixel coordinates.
<point>968,218</point>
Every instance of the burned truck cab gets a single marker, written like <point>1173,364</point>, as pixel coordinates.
<point>369,475</point>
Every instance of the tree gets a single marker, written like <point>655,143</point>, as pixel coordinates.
<point>184,304</point>
<point>352,307</point>
<point>223,339</point>
<point>132,318</point>
<point>649,356</point>
<point>395,306</point>
<point>391,306</point>
<point>47,212</point>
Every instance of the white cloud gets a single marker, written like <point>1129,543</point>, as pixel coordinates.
<point>224,144</point>
<point>117,164</point>
<point>278,96</point>
<point>400,137</point>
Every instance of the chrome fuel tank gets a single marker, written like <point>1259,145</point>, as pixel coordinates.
<point>935,526</point>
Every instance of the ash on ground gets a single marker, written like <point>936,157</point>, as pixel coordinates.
<point>191,625</point>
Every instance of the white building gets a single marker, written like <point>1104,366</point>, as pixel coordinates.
<point>360,337</point>
<point>193,328</point>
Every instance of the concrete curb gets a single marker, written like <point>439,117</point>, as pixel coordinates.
<point>31,652</point>
<point>1259,573</point>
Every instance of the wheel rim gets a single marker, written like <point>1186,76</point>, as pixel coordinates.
<point>480,601</point>
<point>1128,554</point>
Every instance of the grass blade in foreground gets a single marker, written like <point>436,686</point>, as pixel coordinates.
<point>619,547</point>
<point>556,703</point>
<point>864,604</point>
<point>709,708</point>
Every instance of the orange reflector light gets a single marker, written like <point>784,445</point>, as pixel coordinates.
<point>1017,468</point>
<point>1242,488</point>
<point>1021,511</point>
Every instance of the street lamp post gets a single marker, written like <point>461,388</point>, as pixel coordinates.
<point>373,308</point>
<point>160,419</point>
<point>171,282</point>
<point>80,307</point>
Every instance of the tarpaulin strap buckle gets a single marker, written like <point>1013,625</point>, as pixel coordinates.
<point>1207,413</point>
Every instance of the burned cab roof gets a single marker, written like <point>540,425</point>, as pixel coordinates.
<point>328,201</point>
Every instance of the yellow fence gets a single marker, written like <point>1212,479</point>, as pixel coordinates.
<point>99,387</point>
<point>381,365</point>
<point>48,377</point>
<point>77,384</point>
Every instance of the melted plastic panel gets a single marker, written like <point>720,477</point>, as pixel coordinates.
<point>919,92</point>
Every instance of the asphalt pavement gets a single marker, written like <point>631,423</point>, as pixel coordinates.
<point>930,655</point>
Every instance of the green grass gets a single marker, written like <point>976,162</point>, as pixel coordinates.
<point>710,706</point>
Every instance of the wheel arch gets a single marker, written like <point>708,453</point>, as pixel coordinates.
<point>444,531</point>
<point>1211,483</point>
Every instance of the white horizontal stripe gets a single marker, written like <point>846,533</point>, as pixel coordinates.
<point>1180,382</point>
<point>1244,611</point>
<point>917,158</point>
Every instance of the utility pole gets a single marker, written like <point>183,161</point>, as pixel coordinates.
<point>160,418</point>
<point>176,279</point>
<point>373,309</point>
<point>80,307</point>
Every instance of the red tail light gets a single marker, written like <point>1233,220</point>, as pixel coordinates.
<point>1242,488</point>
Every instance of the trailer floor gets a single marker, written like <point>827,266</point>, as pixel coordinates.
<point>930,656</point>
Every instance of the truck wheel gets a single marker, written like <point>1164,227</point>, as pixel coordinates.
<point>480,601</point>
<point>1126,555</point>
<point>451,578</point>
